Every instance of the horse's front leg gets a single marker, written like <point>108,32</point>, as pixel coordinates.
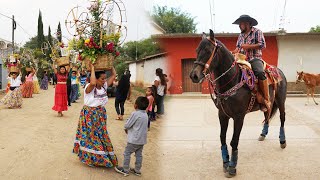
<point>238,123</point>
<point>224,121</point>
<point>308,92</point>
<point>312,91</point>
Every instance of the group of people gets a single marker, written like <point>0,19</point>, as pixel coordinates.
<point>22,87</point>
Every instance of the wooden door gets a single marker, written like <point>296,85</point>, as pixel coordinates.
<point>187,84</point>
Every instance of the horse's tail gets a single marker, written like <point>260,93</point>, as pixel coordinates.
<point>273,111</point>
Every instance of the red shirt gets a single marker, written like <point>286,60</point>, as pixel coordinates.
<point>62,77</point>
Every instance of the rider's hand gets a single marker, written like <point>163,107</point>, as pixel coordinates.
<point>245,46</point>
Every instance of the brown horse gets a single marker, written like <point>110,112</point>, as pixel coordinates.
<point>311,81</point>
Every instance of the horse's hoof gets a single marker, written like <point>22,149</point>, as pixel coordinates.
<point>231,172</point>
<point>317,104</point>
<point>283,144</point>
<point>261,138</point>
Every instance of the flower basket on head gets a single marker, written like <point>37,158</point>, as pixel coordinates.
<point>102,63</point>
<point>63,61</point>
<point>98,38</point>
<point>13,68</point>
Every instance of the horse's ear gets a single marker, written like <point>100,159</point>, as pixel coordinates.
<point>204,36</point>
<point>211,34</point>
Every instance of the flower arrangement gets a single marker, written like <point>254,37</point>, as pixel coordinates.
<point>11,60</point>
<point>99,41</point>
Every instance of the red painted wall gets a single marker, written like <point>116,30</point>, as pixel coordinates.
<point>184,48</point>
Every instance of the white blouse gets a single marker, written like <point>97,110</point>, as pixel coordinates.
<point>97,97</point>
<point>15,82</point>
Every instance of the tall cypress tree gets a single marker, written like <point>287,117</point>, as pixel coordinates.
<point>40,36</point>
<point>59,33</point>
<point>50,42</point>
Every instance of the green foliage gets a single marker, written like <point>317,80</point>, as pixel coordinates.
<point>40,36</point>
<point>140,48</point>
<point>120,65</point>
<point>315,29</point>
<point>49,51</point>
<point>32,43</point>
<point>173,20</point>
<point>59,33</point>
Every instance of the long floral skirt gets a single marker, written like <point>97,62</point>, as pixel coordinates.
<point>27,89</point>
<point>36,87</point>
<point>92,144</point>
<point>60,98</point>
<point>13,99</point>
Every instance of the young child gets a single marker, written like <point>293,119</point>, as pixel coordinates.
<point>136,127</point>
<point>150,96</point>
<point>74,87</point>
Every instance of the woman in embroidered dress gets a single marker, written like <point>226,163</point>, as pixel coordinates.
<point>92,144</point>
<point>36,87</point>
<point>44,81</point>
<point>27,87</point>
<point>13,98</point>
<point>60,96</point>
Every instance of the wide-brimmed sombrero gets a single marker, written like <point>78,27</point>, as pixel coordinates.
<point>246,18</point>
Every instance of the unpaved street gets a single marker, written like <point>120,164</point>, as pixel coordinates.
<point>36,144</point>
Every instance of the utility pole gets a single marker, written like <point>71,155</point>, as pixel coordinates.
<point>14,27</point>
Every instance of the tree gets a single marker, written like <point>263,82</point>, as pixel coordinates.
<point>139,49</point>
<point>32,43</point>
<point>59,33</point>
<point>315,29</point>
<point>50,42</point>
<point>40,36</point>
<point>173,20</point>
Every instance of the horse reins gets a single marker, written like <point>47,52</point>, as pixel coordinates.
<point>213,82</point>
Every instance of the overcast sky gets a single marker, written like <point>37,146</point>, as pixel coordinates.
<point>299,15</point>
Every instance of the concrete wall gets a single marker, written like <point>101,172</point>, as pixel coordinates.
<point>143,73</point>
<point>150,67</point>
<point>3,71</point>
<point>293,50</point>
<point>140,73</point>
<point>133,72</point>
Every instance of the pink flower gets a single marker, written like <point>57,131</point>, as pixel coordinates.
<point>117,54</point>
<point>80,57</point>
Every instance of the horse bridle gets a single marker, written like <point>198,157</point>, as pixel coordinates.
<point>208,63</point>
<point>213,55</point>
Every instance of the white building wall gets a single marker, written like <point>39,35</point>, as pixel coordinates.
<point>133,72</point>
<point>150,67</point>
<point>294,50</point>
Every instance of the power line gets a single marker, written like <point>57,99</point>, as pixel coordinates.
<point>24,30</point>
<point>6,16</point>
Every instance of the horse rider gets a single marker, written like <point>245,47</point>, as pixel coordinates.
<point>251,42</point>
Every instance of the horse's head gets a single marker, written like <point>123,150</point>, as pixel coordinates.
<point>205,54</point>
<point>299,77</point>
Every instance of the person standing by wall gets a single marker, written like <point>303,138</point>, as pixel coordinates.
<point>160,83</point>
<point>121,95</point>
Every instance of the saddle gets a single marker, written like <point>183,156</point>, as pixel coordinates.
<point>272,74</point>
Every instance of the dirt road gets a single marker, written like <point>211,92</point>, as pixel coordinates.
<point>36,144</point>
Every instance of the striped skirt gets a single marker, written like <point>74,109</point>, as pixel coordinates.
<point>92,144</point>
<point>27,89</point>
